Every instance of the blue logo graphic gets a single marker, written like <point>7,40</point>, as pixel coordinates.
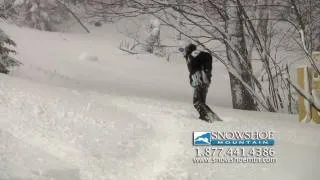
<point>201,138</point>
<point>234,138</point>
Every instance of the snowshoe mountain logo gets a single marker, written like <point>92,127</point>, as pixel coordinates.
<point>201,138</point>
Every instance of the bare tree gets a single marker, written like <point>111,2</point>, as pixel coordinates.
<point>43,15</point>
<point>241,97</point>
<point>73,14</point>
<point>305,19</point>
<point>213,21</point>
<point>303,22</point>
<point>245,28</point>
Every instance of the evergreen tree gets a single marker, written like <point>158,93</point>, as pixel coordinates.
<point>5,59</point>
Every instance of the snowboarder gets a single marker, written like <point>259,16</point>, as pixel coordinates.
<point>200,67</point>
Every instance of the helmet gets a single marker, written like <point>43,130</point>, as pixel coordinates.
<point>189,48</point>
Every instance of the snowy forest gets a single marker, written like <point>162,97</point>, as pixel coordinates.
<point>99,89</point>
<point>242,35</point>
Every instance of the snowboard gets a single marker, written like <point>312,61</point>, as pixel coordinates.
<point>211,117</point>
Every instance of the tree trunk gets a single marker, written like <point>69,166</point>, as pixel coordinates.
<point>241,98</point>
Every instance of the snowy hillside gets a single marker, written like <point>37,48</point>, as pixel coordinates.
<point>124,117</point>
<point>58,62</point>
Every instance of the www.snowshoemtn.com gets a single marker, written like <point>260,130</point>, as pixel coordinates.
<point>266,160</point>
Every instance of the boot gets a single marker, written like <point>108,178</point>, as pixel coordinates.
<point>205,118</point>
<point>214,117</point>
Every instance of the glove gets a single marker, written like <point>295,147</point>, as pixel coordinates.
<point>193,84</point>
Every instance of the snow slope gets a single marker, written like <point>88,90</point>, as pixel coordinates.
<point>54,58</point>
<point>124,117</point>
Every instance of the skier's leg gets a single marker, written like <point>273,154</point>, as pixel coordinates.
<point>204,99</point>
<point>210,114</point>
<point>204,93</point>
<point>198,101</point>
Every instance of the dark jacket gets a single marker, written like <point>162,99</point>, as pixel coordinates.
<point>199,62</point>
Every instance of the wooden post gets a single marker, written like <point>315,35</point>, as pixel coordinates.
<point>308,79</point>
<point>315,89</point>
<point>303,105</point>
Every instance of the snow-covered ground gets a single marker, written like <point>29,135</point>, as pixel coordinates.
<point>124,117</point>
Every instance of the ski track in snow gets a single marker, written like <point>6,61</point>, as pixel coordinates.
<point>58,127</point>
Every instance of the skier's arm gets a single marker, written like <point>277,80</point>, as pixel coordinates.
<point>208,67</point>
<point>188,61</point>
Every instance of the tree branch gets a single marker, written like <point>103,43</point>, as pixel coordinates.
<point>74,15</point>
<point>304,95</point>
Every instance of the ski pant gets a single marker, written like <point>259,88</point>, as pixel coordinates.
<point>199,100</point>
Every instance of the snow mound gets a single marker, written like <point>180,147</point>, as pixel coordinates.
<point>85,56</point>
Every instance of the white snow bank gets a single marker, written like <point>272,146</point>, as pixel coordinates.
<point>85,56</point>
<point>49,132</point>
